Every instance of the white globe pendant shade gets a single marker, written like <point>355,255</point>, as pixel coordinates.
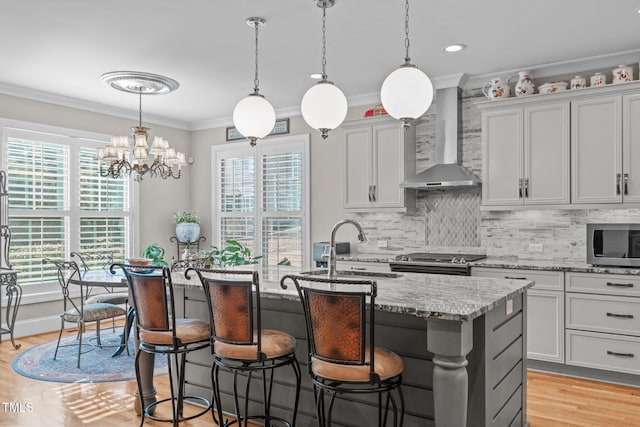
<point>324,107</point>
<point>406,93</point>
<point>254,117</point>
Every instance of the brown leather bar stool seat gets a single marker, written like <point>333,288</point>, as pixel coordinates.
<point>342,356</point>
<point>160,332</point>
<point>240,345</point>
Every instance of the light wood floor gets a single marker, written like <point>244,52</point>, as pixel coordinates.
<point>552,400</point>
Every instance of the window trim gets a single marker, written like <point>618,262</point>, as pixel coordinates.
<point>50,291</point>
<point>300,142</point>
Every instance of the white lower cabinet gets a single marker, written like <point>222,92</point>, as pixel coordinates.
<point>545,310</point>
<point>603,322</point>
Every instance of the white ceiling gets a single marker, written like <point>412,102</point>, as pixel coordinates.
<point>58,49</point>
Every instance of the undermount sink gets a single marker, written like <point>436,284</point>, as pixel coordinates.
<point>357,273</point>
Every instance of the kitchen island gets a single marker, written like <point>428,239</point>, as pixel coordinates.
<point>462,339</point>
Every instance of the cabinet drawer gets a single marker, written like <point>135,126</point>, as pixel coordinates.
<point>620,315</point>
<point>603,351</point>
<point>382,267</point>
<point>610,284</point>
<point>550,280</point>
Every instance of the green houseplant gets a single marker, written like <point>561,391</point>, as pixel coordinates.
<point>156,253</point>
<point>187,226</point>
<point>234,253</point>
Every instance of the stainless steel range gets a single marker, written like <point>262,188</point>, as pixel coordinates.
<point>435,263</point>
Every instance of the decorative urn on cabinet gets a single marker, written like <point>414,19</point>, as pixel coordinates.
<point>187,226</point>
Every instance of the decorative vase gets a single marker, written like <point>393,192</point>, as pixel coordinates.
<point>524,85</point>
<point>622,74</point>
<point>187,232</point>
<point>496,89</point>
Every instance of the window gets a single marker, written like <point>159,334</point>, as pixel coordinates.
<point>261,197</point>
<point>58,203</point>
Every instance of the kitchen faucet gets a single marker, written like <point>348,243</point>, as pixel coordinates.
<point>332,253</point>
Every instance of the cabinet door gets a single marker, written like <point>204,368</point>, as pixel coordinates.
<point>358,171</point>
<point>388,149</point>
<point>631,148</point>
<point>545,325</point>
<point>596,144</point>
<point>502,157</point>
<point>546,154</point>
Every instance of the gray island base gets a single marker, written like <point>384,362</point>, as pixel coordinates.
<point>462,339</point>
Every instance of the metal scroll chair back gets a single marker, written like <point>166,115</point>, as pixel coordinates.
<point>94,259</point>
<point>68,271</point>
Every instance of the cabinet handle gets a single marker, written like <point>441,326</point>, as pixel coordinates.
<point>526,187</point>
<point>373,193</point>
<point>618,178</point>
<point>370,199</point>
<point>615,353</point>
<point>357,268</point>
<point>621,316</point>
<point>620,285</point>
<point>515,278</point>
<point>626,184</point>
<point>520,188</point>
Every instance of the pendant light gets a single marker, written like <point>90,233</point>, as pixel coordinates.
<point>407,92</point>
<point>324,106</point>
<point>254,117</point>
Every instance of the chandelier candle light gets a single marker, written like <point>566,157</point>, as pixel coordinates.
<point>407,92</point>
<point>254,117</point>
<point>121,161</point>
<point>324,106</point>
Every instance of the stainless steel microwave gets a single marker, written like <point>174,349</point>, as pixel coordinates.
<point>613,244</point>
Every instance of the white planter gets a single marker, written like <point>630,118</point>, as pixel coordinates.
<point>187,232</point>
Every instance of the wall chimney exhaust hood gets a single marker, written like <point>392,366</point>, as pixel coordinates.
<point>448,171</point>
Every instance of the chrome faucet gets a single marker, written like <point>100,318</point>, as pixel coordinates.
<point>332,250</point>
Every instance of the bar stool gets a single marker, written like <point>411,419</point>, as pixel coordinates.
<point>340,360</point>
<point>160,332</point>
<point>240,345</point>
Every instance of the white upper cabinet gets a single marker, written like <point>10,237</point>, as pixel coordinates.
<point>526,155</point>
<point>379,154</point>
<point>578,147</point>
<point>596,143</point>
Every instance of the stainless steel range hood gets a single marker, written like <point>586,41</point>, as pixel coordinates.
<point>448,172</point>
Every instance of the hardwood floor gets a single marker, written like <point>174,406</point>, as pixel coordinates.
<point>552,400</point>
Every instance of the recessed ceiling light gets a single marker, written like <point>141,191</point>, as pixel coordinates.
<point>316,76</point>
<point>452,48</point>
<point>638,10</point>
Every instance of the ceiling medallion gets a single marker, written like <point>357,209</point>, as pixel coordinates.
<point>137,82</point>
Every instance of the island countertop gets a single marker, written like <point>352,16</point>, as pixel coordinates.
<point>447,297</point>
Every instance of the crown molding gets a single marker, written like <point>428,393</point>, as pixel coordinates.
<point>94,107</point>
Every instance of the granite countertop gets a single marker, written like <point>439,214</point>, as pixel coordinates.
<point>459,298</point>
<point>513,263</point>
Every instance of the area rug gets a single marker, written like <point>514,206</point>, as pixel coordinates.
<point>96,365</point>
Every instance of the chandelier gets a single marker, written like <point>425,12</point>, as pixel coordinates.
<point>158,160</point>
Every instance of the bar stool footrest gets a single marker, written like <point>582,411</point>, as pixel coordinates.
<point>148,411</point>
<point>258,417</point>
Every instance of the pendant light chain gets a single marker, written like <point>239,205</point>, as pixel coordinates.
<point>324,43</point>
<point>256,81</point>
<point>407,58</point>
<point>140,108</point>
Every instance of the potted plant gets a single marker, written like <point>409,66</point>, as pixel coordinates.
<point>234,253</point>
<point>156,253</point>
<point>187,226</point>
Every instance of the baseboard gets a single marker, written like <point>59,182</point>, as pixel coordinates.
<point>34,326</point>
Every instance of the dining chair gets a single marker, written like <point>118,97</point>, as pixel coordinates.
<point>342,356</point>
<point>102,260</point>
<point>240,345</point>
<point>159,331</point>
<point>77,310</point>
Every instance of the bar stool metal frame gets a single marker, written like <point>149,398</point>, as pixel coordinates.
<point>350,366</point>
<point>250,337</point>
<point>154,303</point>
